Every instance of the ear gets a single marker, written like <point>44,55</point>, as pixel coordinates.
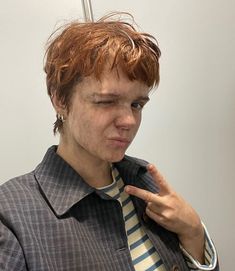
<point>59,107</point>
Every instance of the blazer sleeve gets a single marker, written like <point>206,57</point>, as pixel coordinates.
<point>11,254</point>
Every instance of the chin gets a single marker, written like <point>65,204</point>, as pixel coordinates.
<point>116,158</point>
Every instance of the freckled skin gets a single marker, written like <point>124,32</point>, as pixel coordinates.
<point>103,119</point>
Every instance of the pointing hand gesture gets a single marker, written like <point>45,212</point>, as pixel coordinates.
<point>171,211</point>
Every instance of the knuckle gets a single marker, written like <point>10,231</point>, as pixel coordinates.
<point>148,196</point>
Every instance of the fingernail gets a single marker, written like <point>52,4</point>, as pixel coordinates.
<point>150,167</point>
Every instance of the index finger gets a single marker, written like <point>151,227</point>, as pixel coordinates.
<point>140,193</point>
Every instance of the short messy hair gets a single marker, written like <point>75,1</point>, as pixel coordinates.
<point>80,49</point>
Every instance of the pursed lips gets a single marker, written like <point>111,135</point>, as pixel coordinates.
<point>120,141</point>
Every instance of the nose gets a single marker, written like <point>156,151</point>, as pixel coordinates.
<point>126,118</point>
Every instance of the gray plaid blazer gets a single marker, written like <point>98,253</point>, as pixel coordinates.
<point>51,220</point>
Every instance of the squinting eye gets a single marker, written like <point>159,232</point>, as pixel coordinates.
<point>104,102</point>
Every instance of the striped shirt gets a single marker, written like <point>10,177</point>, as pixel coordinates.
<point>143,253</point>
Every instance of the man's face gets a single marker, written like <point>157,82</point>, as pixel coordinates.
<point>104,117</point>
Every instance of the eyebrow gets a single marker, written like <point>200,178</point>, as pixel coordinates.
<point>104,95</point>
<point>115,96</point>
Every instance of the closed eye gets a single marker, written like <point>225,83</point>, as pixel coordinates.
<point>105,102</point>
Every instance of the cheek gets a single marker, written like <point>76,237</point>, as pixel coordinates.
<point>138,120</point>
<point>87,126</point>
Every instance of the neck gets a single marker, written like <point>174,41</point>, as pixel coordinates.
<point>95,172</point>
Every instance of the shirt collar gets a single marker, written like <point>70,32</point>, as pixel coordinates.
<point>63,187</point>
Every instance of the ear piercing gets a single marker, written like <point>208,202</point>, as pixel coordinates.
<point>61,117</point>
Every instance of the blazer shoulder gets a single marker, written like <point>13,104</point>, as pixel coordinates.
<point>18,181</point>
<point>16,188</point>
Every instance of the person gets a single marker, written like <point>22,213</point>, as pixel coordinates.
<point>87,205</point>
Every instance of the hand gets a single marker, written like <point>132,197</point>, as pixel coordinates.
<point>172,212</point>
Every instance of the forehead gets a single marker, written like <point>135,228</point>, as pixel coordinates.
<point>112,82</point>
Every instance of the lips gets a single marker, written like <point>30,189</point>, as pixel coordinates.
<point>119,142</point>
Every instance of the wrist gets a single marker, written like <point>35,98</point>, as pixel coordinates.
<point>193,242</point>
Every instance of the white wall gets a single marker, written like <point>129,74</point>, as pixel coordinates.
<point>188,128</point>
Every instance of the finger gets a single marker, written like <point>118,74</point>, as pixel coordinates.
<point>141,193</point>
<point>155,216</point>
<point>158,178</point>
<point>156,207</point>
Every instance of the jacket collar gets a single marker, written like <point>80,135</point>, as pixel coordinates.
<point>63,187</point>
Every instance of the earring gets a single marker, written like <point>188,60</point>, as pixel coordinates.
<point>61,117</point>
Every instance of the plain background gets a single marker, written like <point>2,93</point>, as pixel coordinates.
<point>188,128</point>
